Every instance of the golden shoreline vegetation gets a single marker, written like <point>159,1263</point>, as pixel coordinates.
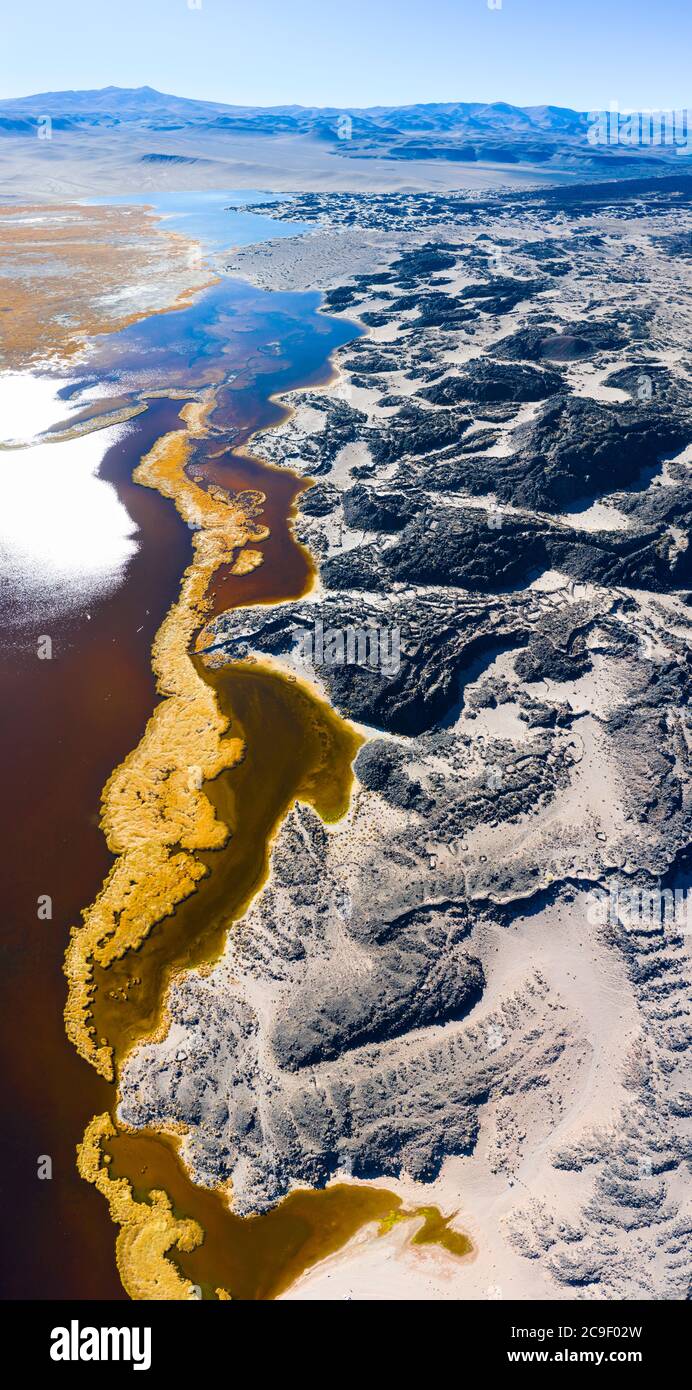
<point>154,812</point>
<point>156,819</point>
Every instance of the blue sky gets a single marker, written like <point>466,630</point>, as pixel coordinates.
<point>579,53</point>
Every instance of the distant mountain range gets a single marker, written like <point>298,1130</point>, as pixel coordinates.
<point>458,132</point>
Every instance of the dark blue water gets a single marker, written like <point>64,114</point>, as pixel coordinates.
<point>205,217</point>
<point>249,344</point>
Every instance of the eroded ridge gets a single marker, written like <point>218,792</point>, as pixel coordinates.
<point>451,986</point>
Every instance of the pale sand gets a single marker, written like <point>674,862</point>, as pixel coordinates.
<point>511,1169</point>
<point>582,974</point>
<point>111,162</point>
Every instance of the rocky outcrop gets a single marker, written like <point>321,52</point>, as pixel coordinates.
<point>501,521</point>
<point>488,381</point>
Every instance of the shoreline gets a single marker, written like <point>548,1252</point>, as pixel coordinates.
<point>124,816</point>
<point>409,992</point>
<point>123,914</point>
<point>137,1234</point>
<point>515,875</point>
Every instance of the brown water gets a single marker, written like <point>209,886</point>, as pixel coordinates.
<point>287,569</point>
<point>308,755</point>
<point>67,724</point>
<point>254,1257</point>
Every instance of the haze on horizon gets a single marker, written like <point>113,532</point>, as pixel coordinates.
<point>582,55</point>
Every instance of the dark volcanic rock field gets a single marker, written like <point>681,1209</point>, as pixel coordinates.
<point>428,991</point>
